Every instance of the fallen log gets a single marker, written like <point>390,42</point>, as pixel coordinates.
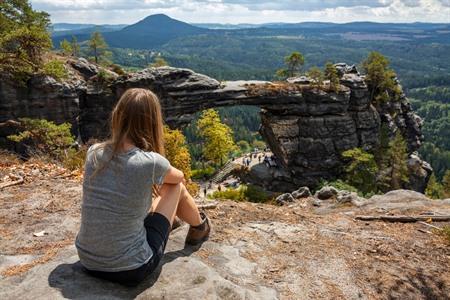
<point>405,219</point>
<point>12,183</point>
<point>207,206</point>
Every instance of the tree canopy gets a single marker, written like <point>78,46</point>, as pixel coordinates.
<point>380,78</point>
<point>23,38</point>
<point>217,137</point>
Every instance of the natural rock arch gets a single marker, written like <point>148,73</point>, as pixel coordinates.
<point>306,128</point>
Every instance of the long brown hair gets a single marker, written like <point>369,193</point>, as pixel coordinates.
<point>137,117</point>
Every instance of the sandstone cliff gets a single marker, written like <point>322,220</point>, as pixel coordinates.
<point>306,128</point>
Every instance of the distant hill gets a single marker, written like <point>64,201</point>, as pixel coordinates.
<point>151,32</point>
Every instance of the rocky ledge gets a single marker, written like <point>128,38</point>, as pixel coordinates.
<point>307,128</point>
<point>256,251</point>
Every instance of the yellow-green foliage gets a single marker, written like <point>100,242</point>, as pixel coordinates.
<point>45,137</point>
<point>205,173</point>
<point>55,69</point>
<point>74,159</point>
<point>177,151</point>
<point>218,137</point>
<point>249,193</point>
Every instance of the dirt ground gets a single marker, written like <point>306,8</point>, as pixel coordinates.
<point>294,246</point>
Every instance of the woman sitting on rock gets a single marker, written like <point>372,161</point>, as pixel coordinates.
<point>123,230</point>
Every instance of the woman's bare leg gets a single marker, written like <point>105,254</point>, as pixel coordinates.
<point>187,209</point>
<point>175,200</point>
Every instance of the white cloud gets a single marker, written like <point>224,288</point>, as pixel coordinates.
<point>247,11</point>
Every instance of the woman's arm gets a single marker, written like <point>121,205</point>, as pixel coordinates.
<point>174,176</point>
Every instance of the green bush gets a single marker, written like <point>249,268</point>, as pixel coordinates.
<point>55,69</point>
<point>249,193</point>
<point>117,69</point>
<point>45,137</point>
<point>338,184</point>
<point>231,194</point>
<point>103,76</point>
<point>205,173</point>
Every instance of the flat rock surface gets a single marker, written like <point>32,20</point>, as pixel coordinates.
<point>256,251</point>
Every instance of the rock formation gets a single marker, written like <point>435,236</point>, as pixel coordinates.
<point>306,128</point>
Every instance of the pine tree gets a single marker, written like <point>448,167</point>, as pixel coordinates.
<point>218,137</point>
<point>316,76</point>
<point>75,46</point>
<point>331,74</point>
<point>294,63</point>
<point>98,47</point>
<point>397,158</point>
<point>23,38</point>
<point>434,189</point>
<point>66,47</point>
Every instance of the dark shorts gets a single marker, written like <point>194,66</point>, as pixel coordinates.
<point>158,230</point>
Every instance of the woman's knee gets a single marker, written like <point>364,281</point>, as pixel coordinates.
<point>171,189</point>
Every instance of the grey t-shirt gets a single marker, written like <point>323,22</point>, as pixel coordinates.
<point>116,200</point>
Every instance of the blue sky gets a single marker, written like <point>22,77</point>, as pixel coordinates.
<point>246,11</point>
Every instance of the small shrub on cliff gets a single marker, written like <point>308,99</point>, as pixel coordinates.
<point>103,76</point>
<point>45,137</point>
<point>339,185</point>
<point>55,69</point>
<point>316,76</point>
<point>117,69</point>
<point>361,170</point>
<point>434,189</point>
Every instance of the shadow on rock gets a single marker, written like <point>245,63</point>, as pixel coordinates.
<point>73,281</point>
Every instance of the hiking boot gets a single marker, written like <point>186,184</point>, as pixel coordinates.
<point>198,234</point>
